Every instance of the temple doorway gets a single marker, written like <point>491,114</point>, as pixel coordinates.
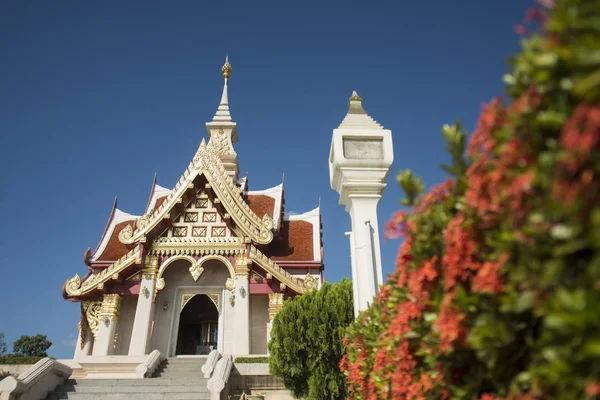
<point>198,325</point>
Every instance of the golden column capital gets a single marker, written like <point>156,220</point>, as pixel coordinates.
<point>150,270</point>
<point>111,306</point>
<point>241,266</point>
<point>275,304</point>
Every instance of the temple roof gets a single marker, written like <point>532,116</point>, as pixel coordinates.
<point>267,201</point>
<point>157,196</point>
<point>110,248</point>
<point>300,238</point>
<point>251,220</point>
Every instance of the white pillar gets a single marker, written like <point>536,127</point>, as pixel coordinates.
<point>241,343</point>
<point>354,280</point>
<point>140,335</point>
<point>359,161</point>
<point>84,342</point>
<point>363,212</point>
<point>107,325</point>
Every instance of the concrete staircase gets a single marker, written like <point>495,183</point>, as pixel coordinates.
<point>175,378</point>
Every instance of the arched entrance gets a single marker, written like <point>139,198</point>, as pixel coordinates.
<point>198,326</point>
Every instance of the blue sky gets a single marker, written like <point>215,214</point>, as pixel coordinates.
<point>95,97</point>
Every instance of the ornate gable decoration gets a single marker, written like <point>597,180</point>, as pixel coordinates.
<point>74,287</point>
<point>207,162</point>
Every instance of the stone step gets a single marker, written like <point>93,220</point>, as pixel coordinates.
<point>180,368</point>
<point>131,389</point>
<point>187,377</point>
<point>129,396</point>
<point>186,360</point>
<point>137,382</point>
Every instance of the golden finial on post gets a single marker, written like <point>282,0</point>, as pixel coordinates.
<point>226,68</point>
<point>355,104</point>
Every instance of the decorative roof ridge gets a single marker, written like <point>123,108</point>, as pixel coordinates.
<point>268,191</point>
<point>243,182</point>
<point>151,194</point>
<point>75,287</point>
<point>316,212</point>
<point>157,193</point>
<point>297,285</point>
<point>192,240</point>
<point>206,161</point>
<point>116,217</point>
<point>108,222</point>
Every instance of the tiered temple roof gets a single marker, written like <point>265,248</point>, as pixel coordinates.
<point>253,221</point>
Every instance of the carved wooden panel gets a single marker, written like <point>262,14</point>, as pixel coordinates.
<point>202,203</point>
<point>209,217</point>
<point>199,231</point>
<point>180,231</point>
<point>191,217</point>
<point>218,231</point>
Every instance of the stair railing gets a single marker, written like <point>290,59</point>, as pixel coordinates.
<point>36,382</point>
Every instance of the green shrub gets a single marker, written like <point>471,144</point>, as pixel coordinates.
<point>496,294</point>
<point>252,360</point>
<point>16,359</point>
<point>32,345</point>
<point>306,342</point>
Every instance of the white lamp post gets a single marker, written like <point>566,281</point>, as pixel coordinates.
<point>359,161</point>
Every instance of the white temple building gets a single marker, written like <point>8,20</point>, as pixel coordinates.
<point>207,266</point>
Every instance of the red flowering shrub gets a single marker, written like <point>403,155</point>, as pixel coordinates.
<point>496,294</point>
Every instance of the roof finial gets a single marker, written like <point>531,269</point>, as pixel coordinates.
<point>355,104</point>
<point>223,114</point>
<point>226,69</point>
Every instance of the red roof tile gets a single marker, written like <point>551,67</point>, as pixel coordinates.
<point>115,249</point>
<point>261,204</point>
<point>159,202</point>
<point>296,243</point>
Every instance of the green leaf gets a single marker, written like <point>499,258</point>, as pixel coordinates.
<point>592,348</point>
<point>525,301</point>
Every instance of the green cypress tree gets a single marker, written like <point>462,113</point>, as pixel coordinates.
<point>306,342</point>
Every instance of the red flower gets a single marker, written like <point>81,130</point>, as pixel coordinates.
<point>395,228</point>
<point>436,195</point>
<point>460,249</point>
<point>580,135</point>
<point>449,326</point>
<point>492,115</point>
<point>535,14</point>
<point>592,389</point>
<point>520,30</point>
<point>488,277</point>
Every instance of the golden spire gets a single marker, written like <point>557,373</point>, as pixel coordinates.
<point>226,68</point>
<point>355,104</point>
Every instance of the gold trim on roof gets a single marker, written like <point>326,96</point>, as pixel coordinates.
<point>75,288</point>
<point>207,162</point>
<point>297,285</point>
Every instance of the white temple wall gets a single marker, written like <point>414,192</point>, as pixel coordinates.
<point>259,317</point>
<point>178,280</point>
<point>125,324</point>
